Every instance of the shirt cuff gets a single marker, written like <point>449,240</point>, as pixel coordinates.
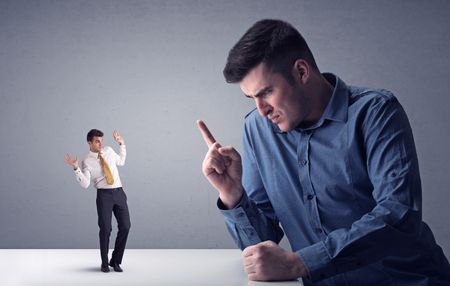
<point>317,261</point>
<point>238,222</point>
<point>238,213</point>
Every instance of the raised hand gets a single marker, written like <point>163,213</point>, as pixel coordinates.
<point>118,138</point>
<point>223,168</point>
<point>72,162</point>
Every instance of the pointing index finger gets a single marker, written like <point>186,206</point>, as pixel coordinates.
<point>207,136</point>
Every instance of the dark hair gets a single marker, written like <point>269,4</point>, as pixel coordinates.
<point>92,133</point>
<point>274,42</point>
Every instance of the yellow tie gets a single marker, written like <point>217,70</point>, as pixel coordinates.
<point>106,170</point>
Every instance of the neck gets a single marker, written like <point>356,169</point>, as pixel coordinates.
<point>325,93</point>
<point>320,92</point>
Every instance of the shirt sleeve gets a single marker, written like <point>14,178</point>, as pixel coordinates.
<point>83,175</point>
<point>120,158</point>
<point>394,223</point>
<point>253,220</point>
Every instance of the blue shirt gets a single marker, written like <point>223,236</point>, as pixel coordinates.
<point>346,191</point>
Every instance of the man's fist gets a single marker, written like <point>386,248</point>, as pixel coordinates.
<point>266,261</point>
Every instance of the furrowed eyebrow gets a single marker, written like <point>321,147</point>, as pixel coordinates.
<point>259,93</point>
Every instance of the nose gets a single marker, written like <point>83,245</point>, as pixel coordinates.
<point>263,107</point>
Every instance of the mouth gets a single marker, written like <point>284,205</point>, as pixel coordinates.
<point>274,118</point>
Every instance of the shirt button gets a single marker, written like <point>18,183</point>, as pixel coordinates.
<point>319,230</point>
<point>310,197</point>
<point>240,215</point>
<point>303,162</point>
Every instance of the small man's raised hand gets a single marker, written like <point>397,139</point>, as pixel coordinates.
<point>72,162</point>
<point>118,138</point>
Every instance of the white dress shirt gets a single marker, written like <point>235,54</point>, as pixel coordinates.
<point>92,171</point>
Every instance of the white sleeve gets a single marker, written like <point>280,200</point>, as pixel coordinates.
<point>83,175</point>
<point>120,159</point>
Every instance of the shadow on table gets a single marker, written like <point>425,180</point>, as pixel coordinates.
<point>88,269</point>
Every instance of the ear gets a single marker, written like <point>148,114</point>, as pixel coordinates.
<point>301,71</point>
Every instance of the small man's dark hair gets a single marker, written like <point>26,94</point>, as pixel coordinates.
<point>273,42</point>
<point>92,133</point>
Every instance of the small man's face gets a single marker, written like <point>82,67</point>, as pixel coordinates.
<point>283,103</point>
<point>96,144</point>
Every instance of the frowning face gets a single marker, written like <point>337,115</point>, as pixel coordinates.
<point>285,104</point>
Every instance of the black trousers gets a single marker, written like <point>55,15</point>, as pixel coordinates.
<point>111,201</point>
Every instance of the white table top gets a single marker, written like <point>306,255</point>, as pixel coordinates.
<point>212,267</point>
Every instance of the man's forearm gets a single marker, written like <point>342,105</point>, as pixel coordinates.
<point>82,178</point>
<point>249,225</point>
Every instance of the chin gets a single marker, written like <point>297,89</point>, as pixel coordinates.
<point>284,128</point>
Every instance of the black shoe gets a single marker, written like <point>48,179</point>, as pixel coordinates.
<point>105,268</point>
<point>115,266</point>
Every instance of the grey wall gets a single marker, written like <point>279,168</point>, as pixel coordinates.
<point>151,68</point>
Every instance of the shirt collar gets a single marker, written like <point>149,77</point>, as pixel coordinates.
<point>337,107</point>
<point>94,154</point>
